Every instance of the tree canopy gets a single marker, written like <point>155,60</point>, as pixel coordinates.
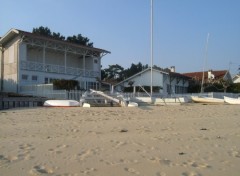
<point>118,73</point>
<point>114,72</point>
<point>77,39</point>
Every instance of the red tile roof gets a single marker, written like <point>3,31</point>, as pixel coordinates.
<point>198,75</point>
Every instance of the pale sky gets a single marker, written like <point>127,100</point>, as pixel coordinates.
<point>123,28</point>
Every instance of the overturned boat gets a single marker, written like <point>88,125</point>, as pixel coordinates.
<point>61,103</point>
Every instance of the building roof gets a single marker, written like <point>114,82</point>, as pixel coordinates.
<point>15,32</point>
<point>198,75</point>
<point>147,69</point>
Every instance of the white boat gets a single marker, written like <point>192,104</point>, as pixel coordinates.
<point>86,105</point>
<point>232,100</point>
<point>132,104</point>
<point>61,103</point>
<point>197,99</point>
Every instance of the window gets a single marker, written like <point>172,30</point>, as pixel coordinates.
<point>34,78</point>
<point>95,61</point>
<point>92,85</point>
<point>25,77</point>
<point>46,80</point>
<point>51,80</point>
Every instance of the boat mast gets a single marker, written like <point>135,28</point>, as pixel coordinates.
<point>204,65</point>
<point>151,47</point>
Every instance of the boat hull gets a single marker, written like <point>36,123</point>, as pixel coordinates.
<point>207,100</point>
<point>232,100</point>
<point>132,104</point>
<point>61,103</point>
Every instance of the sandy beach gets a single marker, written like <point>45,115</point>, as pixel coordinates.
<point>186,140</point>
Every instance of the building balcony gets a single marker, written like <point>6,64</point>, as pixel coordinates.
<point>50,68</point>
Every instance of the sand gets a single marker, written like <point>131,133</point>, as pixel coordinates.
<point>186,140</point>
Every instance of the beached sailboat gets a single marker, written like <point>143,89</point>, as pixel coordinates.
<point>230,100</point>
<point>199,99</point>
<point>211,100</point>
<point>61,103</point>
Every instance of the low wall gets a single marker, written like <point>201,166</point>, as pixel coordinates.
<point>17,102</point>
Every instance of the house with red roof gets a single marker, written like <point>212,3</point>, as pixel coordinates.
<point>211,76</point>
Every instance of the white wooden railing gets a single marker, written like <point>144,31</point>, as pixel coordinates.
<point>36,66</point>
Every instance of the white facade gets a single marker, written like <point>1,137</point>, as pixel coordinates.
<point>169,83</point>
<point>236,79</point>
<point>28,59</point>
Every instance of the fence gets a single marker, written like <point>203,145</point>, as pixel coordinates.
<point>209,94</point>
<point>46,90</point>
<point>64,94</point>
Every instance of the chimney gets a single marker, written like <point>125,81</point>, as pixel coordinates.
<point>172,69</point>
<point>210,75</point>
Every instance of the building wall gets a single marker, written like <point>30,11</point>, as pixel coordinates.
<point>144,79</point>
<point>10,59</point>
<point>22,51</point>
<point>1,68</point>
<point>237,80</point>
<point>74,61</point>
<point>176,85</point>
<point>32,53</point>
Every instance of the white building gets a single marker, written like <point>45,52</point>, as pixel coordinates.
<point>236,78</point>
<point>27,59</point>
<point>168,82</point>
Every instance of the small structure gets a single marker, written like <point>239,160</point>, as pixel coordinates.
<point>236,78</point>
<point>31,59</point>
<point>164,82</point>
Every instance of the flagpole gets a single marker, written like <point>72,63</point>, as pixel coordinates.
<point>204,64</point>
<point>151,47</point>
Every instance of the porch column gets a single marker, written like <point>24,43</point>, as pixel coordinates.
<point>1,68</point>
<point>134,90</point>
<point>112,89</point>
<point>84,74</point>
<point>65,61</point>
<point>99,67</point>
<point>44,55</point>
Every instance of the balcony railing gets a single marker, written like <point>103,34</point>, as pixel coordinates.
<point>50,68</point>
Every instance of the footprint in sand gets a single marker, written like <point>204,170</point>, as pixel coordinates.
<point>161,174</point>
<point>3,160</point>
<point>89,170</point>
<point>132,171</point>
<point>58,149</point>
<point>25,151</point>
<point>26,147</point>
<point>87,153</point>
<point>191,174</point>
<point>234,153</point>
<point>196,165</point>
<point>119,162</point>
<point>118,144</point>
<point>41,170</point>
<point>161,161</point>
<point>68,174</point>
